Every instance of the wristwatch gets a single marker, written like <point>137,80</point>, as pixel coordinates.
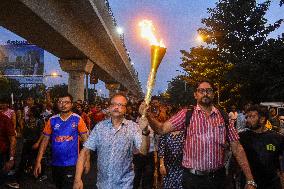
<point>146,132</point>
<point>11,158</point>
<point>251,182</point>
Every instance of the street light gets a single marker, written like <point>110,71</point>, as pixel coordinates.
<point>119,30</point>
<point>199,38</point>
<point>53,74</point>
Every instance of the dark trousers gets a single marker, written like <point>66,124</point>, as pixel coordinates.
<point>28,158</point>
<point>214,180</point>
<point>3,174</point>
<point>63,177</point>
<point>273,184</point>
<point>144,167</point>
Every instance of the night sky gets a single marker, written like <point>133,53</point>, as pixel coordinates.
<point>176,22</point>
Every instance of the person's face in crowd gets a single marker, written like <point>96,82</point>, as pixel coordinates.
<point>64,104</point>
<point>281,120</point>
<point>79,102</point>
<point>129,109</point>
<point>79,108</point>
<point>204,94</point>
<point>106,105</point>
<point>98,108</point>
<point>252,118</point>
<point>155,105</point>
<point>272,112</point>
<point>262,121</point>
<point>118,106</point>
<point>233,108</point>
<point>30,102</point>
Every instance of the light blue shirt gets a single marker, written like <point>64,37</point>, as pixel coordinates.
<point>115,152</point>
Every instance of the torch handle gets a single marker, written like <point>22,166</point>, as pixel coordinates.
<point>150,86</point>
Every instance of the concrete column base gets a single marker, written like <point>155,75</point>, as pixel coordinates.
<point>76,85</point>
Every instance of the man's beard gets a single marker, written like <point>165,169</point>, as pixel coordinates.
<point>65,111</point>
<point>206,101</point>
<point>255,127</point>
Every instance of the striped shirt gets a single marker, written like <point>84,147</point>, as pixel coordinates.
<point>206,136</point>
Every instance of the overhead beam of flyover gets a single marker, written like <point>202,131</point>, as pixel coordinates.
<point>73,29</point>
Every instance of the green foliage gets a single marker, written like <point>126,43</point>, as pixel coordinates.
<point>238,28</point>
<point>206,64</point>
<point>239,56</point>
<point>8,86</point>
<point>179,92</point>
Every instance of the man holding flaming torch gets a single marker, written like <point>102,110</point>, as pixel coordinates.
<point>207,131</point>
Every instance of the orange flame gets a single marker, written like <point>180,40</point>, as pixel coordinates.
<point>147,32</point>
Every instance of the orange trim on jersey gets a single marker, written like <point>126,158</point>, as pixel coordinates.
<point>47,128</point>
<point>82,128</point>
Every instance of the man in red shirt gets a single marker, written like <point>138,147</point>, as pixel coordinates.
<point>7,146</point>
<point>206,137</point>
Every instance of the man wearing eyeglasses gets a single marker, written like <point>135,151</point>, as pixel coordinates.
<point>114,140</point>
<point>206,136</point>
<point>63,130</point>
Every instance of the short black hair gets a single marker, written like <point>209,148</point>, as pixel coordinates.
<point>62,95</point>
<point>253,108</point>
<point>197,84</point>
<point>262,111</point>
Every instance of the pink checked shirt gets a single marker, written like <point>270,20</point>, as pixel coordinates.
<point>206,136</point>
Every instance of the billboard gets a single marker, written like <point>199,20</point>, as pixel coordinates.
<point>22,61</point>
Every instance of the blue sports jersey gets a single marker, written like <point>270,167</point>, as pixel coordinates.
<point>64,136</point>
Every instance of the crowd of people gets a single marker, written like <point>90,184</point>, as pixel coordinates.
<point>144,146</point>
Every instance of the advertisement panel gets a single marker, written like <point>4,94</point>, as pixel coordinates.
<point>22,61</point>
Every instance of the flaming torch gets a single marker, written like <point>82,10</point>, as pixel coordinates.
<point>158,51</point>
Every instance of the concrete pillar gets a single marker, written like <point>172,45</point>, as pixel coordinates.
<point>113,88</point>
<point>77,68</point>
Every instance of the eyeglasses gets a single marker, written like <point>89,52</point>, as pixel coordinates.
<point>118,104</point>
<point>251,116</point>
<point>205,90</point>
<point>63,102</point>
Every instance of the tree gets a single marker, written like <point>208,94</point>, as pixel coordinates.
<point>179,92</point>
<point>238,28</point>
<point>9,86</point>
<point>206,64</point>
<point>239,56</point>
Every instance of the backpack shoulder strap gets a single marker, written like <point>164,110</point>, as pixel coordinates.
<point>188,117</point>
<point>226,120</point>
<point>225,117</point>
